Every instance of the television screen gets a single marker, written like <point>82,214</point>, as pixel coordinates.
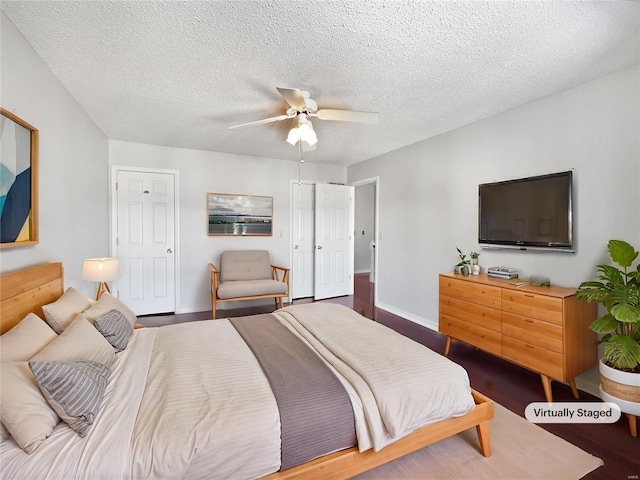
<point>527,212</point>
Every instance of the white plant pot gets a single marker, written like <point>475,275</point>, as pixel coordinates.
<point>627,384</point>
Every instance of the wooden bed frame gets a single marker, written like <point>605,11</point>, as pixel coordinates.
<point>27,290</point>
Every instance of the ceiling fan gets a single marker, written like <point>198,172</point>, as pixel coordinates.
<point>302,107</point>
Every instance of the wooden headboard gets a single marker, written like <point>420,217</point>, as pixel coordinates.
<point>27,290</point>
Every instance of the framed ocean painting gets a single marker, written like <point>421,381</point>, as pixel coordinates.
<point>18,181</point>
<point>239,215</point>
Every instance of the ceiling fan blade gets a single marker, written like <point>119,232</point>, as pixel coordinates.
<point>294,97</point>
<point>260,122</point>
<point>347,115</point>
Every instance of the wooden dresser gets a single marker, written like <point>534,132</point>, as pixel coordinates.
<point>544,329</point>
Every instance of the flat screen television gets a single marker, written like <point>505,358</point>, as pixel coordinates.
<point>527,212</point>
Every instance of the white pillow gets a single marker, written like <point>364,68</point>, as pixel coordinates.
<point>61,313</point>
<point>107,303</point>
<point>4,433</point>
<point>26,339</point>
<point>25,412</point>
<point>79,341</point>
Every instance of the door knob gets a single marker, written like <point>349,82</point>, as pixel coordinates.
<point>169,250</point>
<point>319,247</point>
<point>295,247</point>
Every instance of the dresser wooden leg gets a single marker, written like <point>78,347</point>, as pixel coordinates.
<point>546,384</point>
<point>574,389</point>
<point>447,346</point>
<point>632,425</point>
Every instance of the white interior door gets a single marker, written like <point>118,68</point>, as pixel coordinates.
<point>145,239</point>
<point>302,270</point>
<point>334,244</point>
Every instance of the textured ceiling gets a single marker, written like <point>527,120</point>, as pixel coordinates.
<point>179,73</point>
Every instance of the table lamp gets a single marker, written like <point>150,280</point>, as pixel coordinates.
<point>100,270</point>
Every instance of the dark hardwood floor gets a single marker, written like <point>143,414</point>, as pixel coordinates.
<point>507,384</point>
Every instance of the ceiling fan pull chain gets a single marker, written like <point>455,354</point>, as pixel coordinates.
<point>300,163</point>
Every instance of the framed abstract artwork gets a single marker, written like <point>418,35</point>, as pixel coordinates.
<point>18,181</point>
<point>239,215</point>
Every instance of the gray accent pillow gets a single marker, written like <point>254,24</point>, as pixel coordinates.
<point>116,328</point>
<point>74,390</point>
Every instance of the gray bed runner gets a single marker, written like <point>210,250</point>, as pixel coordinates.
<point>315,410</point>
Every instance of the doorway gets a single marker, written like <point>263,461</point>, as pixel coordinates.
<point>366,246</point>
<point>144,238</point>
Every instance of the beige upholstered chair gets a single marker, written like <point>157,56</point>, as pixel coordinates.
<point>247,275</point>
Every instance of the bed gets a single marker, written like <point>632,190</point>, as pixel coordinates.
<point>193,400</point>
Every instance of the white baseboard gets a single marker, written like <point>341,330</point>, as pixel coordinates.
<point>589,382</point>
<point>408,316</point>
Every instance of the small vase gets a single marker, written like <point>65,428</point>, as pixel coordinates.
<point>464,270</point>
<point>475,269</point>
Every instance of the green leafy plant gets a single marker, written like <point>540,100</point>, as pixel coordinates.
<point>463,258</point>
<point>474,255</point>
<point>618,289</point>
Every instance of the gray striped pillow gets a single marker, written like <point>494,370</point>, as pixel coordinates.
<point>74,389</point>
<point>116,328</point>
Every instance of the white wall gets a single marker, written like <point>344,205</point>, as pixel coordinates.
<point>201,172</point>
<point>428,199</point>
<point>73,164</point>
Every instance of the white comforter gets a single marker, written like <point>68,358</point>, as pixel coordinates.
<point>190,401</point>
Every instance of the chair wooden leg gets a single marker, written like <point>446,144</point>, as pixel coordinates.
<point>213,310</point>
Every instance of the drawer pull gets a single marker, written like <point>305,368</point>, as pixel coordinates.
<point>527,295</point>
<point>529,346</point>
<point>528,321</point>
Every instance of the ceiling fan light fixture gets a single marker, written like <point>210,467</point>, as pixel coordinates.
<point>302,132</point>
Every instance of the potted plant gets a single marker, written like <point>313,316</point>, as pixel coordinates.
<point>464,262</point>
<point>475,268</point>
<point>618,289</point>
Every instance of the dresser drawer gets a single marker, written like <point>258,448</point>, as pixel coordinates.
<point>533,331</point>
<point>480,315</point>
<point>473,292</point>
<point>533,305</point>
<point>483,338</point>
<point>533,357</point>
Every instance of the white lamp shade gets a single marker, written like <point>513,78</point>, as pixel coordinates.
<point>100,269</point>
